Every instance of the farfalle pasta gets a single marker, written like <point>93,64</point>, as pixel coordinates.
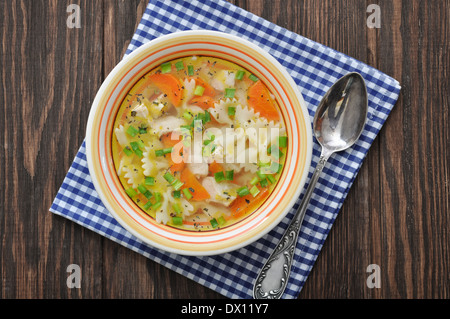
<point>199,143</point>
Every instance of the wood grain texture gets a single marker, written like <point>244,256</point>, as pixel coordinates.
<point>396,214</point>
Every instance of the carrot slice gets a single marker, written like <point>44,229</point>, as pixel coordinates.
<point>167,140</point>
<point>259,99</point>
<point>205,101</point>
<point>247,203</point>
<point>215,167</point>
<point>191,182</point>
<point>170,85</point>
<point>209,90</point>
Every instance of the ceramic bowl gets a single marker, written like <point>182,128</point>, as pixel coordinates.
<point>110,97</point>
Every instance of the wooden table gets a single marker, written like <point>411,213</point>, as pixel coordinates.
<point>396,215</point>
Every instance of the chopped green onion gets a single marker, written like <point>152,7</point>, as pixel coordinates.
<point>177,220</point>
<point>254,181</point>
<point>275,167</point>
<point>260,174</point>
<point>148,205</point>
<point>199,90</point>
<point>177,194</point>
<point>179,65</point>
<point>190,69</point>
<point>186,127</point>
<point>243,191</point>
<point>136,149</point>
<point>176,207</point>
<point>166,67</point>
<point>254,191</point>
<point>145,191</point>
<point>128,151</point>
<point>229,175</point>
<point>134,146</point>
<point>158,197</point>
<point>148,194</point>
<point>219,176</point>
<point>177,184</point>
<point>271,179</point>
<point>214,223</point>
<point>253,78</point>
<point>199,117</point>
<point>142,188</point>
<point>163,152</point>
<point>142,130</point>
<point>263,182</point>
<point>282,141</point>
<point>240,75</point>
<point>229,93</point>
<point>262,164</point>
<point>141,144</point>
<point>169,177</point>
<point>187,115</point>
<point>132,131</point>
<point>275,152</point>
<point>156,205</point>
<point>131,192</point>
<point>207,117</point>
<point>231,110</point>
<point>149,181</point>
<point>139,153</point>
<point>187,194</point>
<point>221,220</point>
<point>280,168</point>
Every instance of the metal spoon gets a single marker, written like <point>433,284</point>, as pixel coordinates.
<point>338,123</point>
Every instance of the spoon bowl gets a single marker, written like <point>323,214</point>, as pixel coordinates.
<point>341,115</point>
<point>338,123</point>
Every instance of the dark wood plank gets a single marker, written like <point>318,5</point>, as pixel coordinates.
<point>414,153</point>
<point>49,77</point>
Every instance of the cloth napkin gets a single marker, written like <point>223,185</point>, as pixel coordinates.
<point>314,67</point>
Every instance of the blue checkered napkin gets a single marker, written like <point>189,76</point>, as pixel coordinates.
<point>314,68</point>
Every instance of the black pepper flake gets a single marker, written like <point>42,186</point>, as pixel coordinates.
<point>192,190</point>
<point>247,201</point>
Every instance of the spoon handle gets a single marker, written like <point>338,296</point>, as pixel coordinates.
<point>273,277</point>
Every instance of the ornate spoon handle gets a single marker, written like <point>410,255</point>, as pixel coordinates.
<point>273,277</point>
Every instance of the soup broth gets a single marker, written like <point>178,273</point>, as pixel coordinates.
<point>199,143</point>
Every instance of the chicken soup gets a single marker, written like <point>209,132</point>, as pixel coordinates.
<point>199,143</point>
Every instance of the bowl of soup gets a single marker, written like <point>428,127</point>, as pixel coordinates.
<point>198,143</point>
